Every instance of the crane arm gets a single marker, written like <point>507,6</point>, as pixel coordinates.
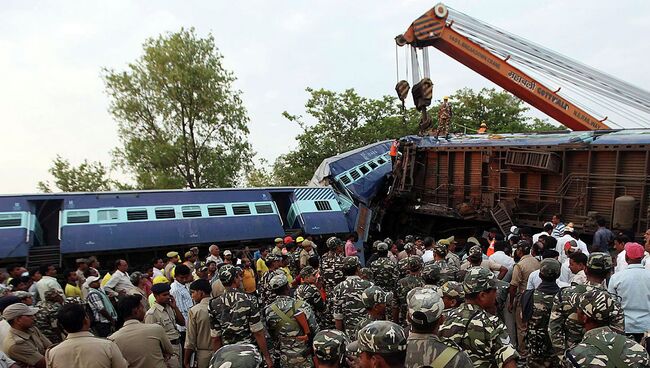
<point>432,29</point>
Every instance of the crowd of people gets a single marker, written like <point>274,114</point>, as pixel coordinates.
<point>544,299</point>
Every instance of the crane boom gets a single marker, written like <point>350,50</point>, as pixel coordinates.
<point>432,29</point>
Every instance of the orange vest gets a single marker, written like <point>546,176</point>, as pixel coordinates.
<point>393,149</point>
<point>490,250</point>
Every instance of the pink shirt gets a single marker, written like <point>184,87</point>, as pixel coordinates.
<point>350,249</point>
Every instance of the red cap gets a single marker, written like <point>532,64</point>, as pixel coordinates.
<point>634,250</point>
<point>288,240</point>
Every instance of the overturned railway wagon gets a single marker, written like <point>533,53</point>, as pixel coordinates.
<point>525,179</point>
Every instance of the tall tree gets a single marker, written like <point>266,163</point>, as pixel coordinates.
<point>181,122</point>
<point>87,177</point>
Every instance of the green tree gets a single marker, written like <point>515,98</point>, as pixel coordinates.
<point>500,110</point>
<point>181,123</point>
<point>260,176</point>
<point>340,122</point>
<point>87,177</point>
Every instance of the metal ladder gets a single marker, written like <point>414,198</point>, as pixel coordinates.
<point>502,218</point>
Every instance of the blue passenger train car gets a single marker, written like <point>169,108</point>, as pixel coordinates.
<point>87,223</point>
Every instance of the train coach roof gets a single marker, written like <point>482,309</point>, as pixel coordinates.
<point>613,137</point>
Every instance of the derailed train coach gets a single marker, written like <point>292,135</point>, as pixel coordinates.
<point>523,179</point>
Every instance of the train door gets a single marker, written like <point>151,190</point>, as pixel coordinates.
<point>283,201</point>
<point>48,219</point>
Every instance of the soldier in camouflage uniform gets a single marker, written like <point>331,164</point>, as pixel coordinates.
<point>329,348</point>
<point>291,340</point>
<point>424,348</point>
<point>382,340</point>
<point>448,270</point>
<point>234,315</point>
<point>45,319</point>
<point>541,353</point>
<point>293,259</point>
<point>403,267</point>
<point>452,294</point>
<point>267,295</point>
<point>406,284</point>
<point>375,300</point>
<point>237,356</point>
<point>474,327</point>
<point>366,274</point>
<point>308,292</point>
<point>452,257</point>
<point>431,275</point>
<point>564,327</point>
<point>602,347</point>
<point>348,308</point>
<point>444,117</point>
<point>384,270</point>
<point>331,265</point>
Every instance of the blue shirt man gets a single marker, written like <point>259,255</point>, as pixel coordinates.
<point>603,237</point>
<point>632,285</point>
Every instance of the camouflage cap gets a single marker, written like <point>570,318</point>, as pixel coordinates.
<point>597,304</point>
<point>278,281</point>
<point>388,241</point>
<point>599,261</point>
<point>374,244</point>
<point>307,271</point>
<point>452,289</point>
<point>351,262</point>
<point>366,272</point>
<point>382,246</point>
<point>431,271</point>
<point>333,242</point>
<point>479,279</point>
<point>382,337</point>
<point>375,295</point>
<point>227,274</point>
<point>236,356</point>
<point>550,268</point>
<point>475,252</point>
<point>53,294</point>
<point>440,248</point>
<point>329,345</point>
<point>409,239</point>
<point>473,240</point>
<point>273,258</point>
<point>425,306</point>
<point>409,246</point>
<point>415,263</point>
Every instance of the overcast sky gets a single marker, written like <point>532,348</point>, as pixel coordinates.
<point>52,98</point>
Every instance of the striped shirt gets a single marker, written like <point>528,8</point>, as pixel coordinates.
<point>558,230</point>
<point>181,294</point>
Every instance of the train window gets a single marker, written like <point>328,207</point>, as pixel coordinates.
<point>216,210</point>
<point>323,205</point>
<point>78,217</point>
<point>345,179</point>
<point>136,214</point>
<point>372,165</point>
<point>381,161</point>
<point>241,209</point>
<point>10,219</point>
<point>261,208</point>
<point>364,170</point>
<point>165,213</point>
<point>107,215</point>
<point>191,211</point>
<point>355,174</point>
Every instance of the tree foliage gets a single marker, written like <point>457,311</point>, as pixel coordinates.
<point>181,123</point>
<point>339,122</point>
<point>500,110</point>
<point>87,177</point>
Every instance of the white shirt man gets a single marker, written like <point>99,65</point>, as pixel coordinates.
<point>503,259</point>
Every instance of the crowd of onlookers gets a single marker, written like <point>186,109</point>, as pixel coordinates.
<point>300,302</point>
